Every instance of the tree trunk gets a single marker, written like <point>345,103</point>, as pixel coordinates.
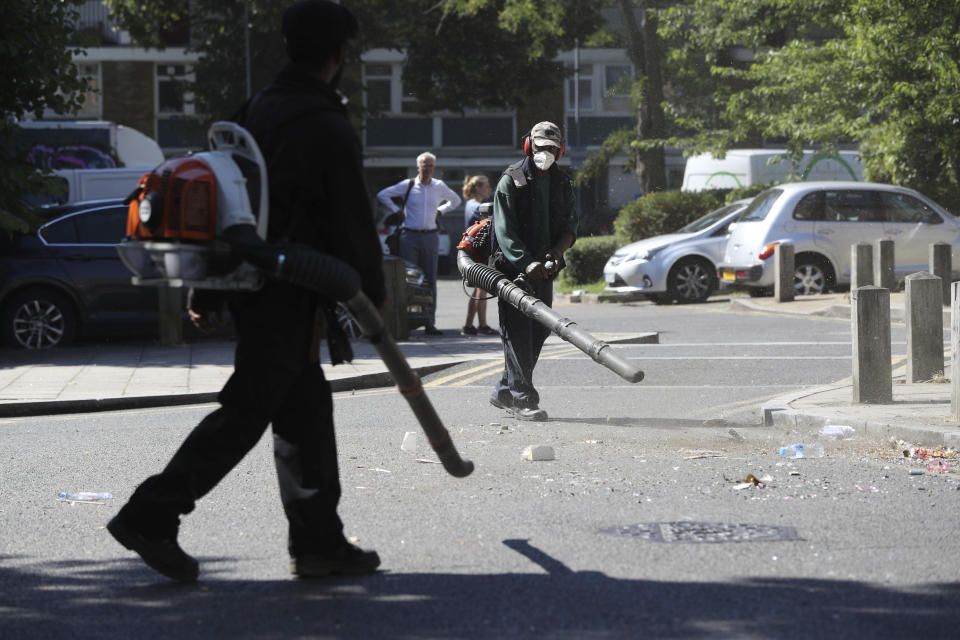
<point>646,52</point>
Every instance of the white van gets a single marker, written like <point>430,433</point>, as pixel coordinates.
<point>88,159</point>
<point>131,147</point>
<point>744,167</point>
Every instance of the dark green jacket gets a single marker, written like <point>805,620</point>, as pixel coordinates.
<point>530,213</point>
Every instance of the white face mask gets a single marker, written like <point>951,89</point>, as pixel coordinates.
<point>543,160</point>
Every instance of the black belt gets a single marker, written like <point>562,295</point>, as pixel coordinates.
<point>418,230</point>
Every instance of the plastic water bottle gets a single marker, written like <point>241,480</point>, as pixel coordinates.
<point>84,496</point>
<point>799,450</point>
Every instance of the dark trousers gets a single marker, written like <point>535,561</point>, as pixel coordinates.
<point>422,249</point>
<point>305,455</point>
<point>522,339</point>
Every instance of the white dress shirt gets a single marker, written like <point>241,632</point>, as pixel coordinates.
<point>423,203</point>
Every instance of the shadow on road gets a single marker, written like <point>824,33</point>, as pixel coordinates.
<point>91,599</point>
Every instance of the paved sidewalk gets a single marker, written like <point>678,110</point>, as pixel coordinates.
<point>135,375</point>
<point>130,375</point>
<point>920,413</point>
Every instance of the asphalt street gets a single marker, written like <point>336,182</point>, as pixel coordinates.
<point>640,526</point>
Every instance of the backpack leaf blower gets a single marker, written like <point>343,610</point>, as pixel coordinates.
<point>191,224</point>
<point>474,250</point>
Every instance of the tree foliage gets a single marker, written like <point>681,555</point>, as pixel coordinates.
<point>879,73</point>
<point>38,73</point>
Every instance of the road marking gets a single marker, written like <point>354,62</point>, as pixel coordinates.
<point>464,377</point>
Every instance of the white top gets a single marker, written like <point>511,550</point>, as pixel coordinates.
<point>423,205</point>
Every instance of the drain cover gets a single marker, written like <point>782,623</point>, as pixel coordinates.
<point>704,532</point>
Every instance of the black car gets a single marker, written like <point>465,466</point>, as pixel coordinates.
<point>65,279</point>
<point>66,276</point>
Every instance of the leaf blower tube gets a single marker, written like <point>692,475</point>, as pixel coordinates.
<point>335,278</point>
<point>495,283</point>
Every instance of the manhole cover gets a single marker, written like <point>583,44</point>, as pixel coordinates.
<point>704,532</point>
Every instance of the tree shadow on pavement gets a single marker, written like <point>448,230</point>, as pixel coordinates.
<point>107,599</point>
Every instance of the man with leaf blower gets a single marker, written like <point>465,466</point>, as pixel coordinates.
<point>314,164</point>
<point>535,222</point>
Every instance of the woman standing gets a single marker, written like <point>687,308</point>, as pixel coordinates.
<point>475,190</point>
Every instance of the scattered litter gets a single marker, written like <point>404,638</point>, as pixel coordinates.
<point>753,481</point>
<point>867,490</point>
<point>916,472</point>
<point>84,496</point>
<point>379,470</point>
<point>538,453</point>
<point>938,466</point>
<point>701,453</point>
<point>837,432</point>
<point>794,473</point>
<point>409,441</point>
<point>426,461</point>
<point>799,450</point>
<point>736,436</point>
<point>593,441</point>
<point>494,424</point>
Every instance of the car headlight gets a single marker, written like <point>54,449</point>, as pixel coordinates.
<point>643,255</point>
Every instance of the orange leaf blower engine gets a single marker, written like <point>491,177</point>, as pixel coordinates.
<point>180,211</point>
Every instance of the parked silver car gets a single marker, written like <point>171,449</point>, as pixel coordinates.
<point>676,266</point>
<point>822,220</point>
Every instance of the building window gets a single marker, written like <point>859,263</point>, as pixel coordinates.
<point>586,89</point>
<point>177,128</point>
<point>378,81</point>
<point>616,80</point>
<point>91,97</point>
<point>172,96</point>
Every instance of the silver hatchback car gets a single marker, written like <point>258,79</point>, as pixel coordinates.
<point>822,220</point>
<point>675,266</point>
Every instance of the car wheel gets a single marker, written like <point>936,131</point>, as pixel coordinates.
<point>39,319</point>
<point>810,277</point>
<point>347,322</point>
<point>692,280</point>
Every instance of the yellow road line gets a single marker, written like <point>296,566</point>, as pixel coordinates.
<point>483,367</point>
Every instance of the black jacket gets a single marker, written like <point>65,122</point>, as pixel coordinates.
<point>315,168</point>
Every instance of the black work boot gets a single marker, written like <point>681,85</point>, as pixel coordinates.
<point>343,559</point>
<point>162,554</point>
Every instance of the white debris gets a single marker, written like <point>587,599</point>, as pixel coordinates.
<point>836,432</point>
<point>409,441</point>
<point>538,452</point>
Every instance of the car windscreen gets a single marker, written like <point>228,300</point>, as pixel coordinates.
<point>703,222</point>
<point>760,206</point>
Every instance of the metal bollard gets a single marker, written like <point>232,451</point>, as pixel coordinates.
<point>954,350</point>
<point>883,273</point>
<point>861,265</point>
<point>941,265</point>
<point>783,272</point>
<point>870,328</point>
<point>924,315</point>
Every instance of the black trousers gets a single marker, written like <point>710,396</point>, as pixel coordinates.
<point>273,383</point>
<point>522,340</point>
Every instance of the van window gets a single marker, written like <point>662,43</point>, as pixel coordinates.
<point>760,206</point>
<point>840,206</point>
<point>900,207</point>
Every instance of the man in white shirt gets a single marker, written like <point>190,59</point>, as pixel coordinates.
<point>418,236</point>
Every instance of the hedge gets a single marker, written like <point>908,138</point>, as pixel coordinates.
<point>664,212</point>
<point>586,259</point>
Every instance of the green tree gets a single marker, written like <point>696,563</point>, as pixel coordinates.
<point>880,73</point>
<point>38,74</point>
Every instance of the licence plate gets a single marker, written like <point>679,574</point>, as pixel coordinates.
<point>729,275</point>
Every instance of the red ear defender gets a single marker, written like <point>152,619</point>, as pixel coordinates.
<point>528,148</point>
